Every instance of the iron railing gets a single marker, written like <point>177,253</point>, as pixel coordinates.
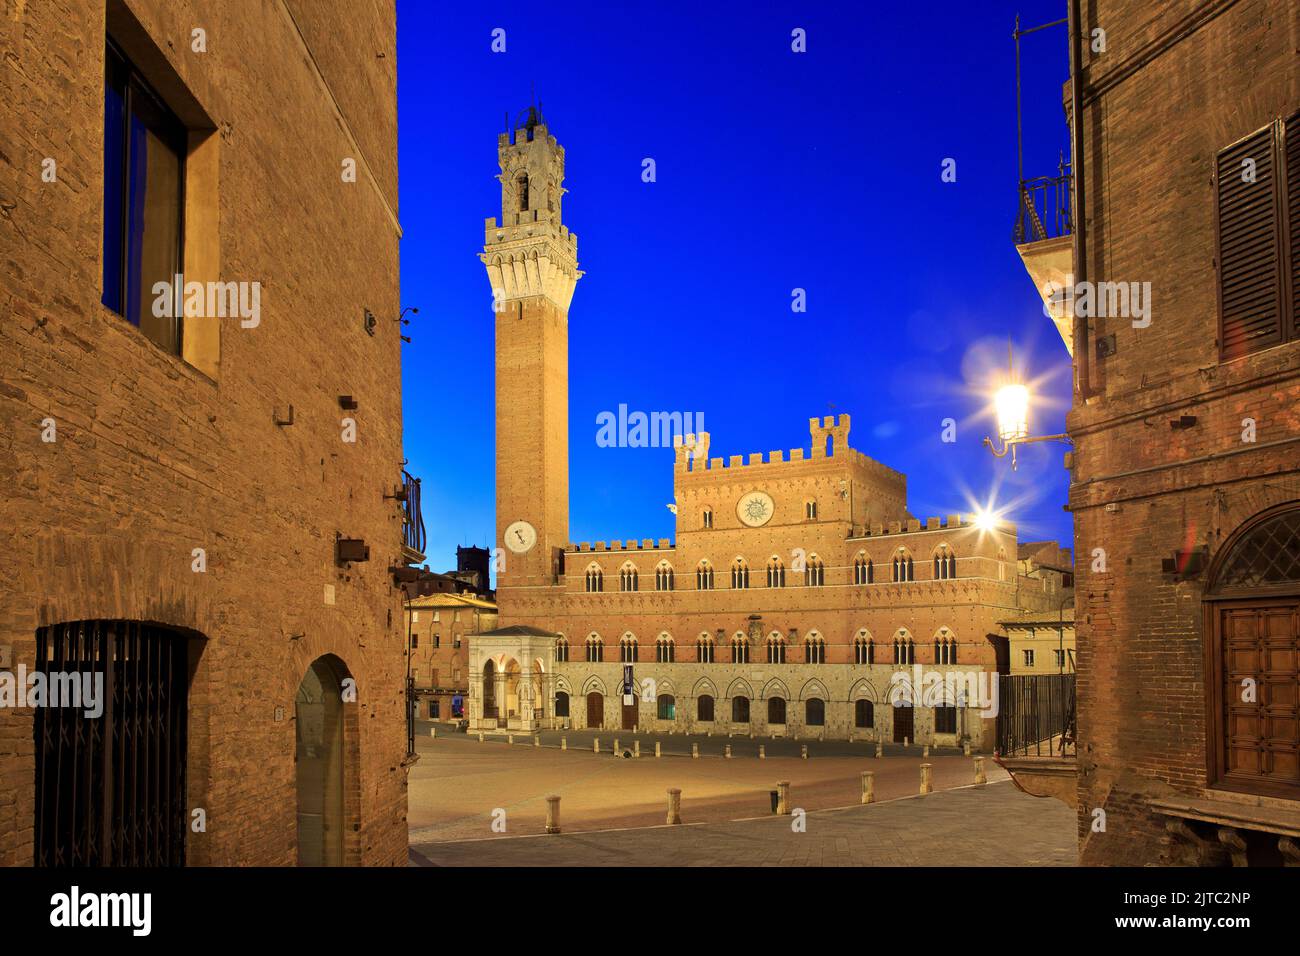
<point>1036,715</point>
<point>413,538</point>
<point>1044,211</point>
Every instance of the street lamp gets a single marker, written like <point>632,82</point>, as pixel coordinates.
<point>1012,406</point>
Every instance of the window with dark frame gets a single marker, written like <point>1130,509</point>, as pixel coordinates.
<point>144,208</point>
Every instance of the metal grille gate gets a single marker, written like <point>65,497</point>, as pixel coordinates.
<point>110,790</point>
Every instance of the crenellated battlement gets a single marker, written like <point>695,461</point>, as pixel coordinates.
<point>916,526</point>
<point>600,547</point>
<point>692,453</point>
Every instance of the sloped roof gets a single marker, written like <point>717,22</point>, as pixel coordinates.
<point>516,630</point>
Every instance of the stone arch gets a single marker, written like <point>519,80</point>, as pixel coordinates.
<point>327,765</point>
<point>665,687</point>
<point>814,688</point>
<point>562,683</point>
<point>775,688</point>
<point>863,689</point>
<point>703,687</point>
<point>594,683</point>
<point>740,688</point>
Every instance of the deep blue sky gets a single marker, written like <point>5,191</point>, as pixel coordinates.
<point>776,170</point>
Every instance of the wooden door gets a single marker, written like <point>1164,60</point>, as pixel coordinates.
<point>903,723</point>
<point>629,715</point>
<point>595,710</point>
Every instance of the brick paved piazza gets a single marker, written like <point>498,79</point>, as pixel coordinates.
<point>613,810</point>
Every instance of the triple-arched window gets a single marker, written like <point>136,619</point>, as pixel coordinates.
<point>814,649</point>
<point>627,649</point>
<point>627,577</point>
<point>864,571</point>
<point>561,650</point>
<point>945,563</point>
<point>595,578</point>
<point>904,651</point>
<point>945,648</point>
<point>739,573</point>
<point>739,649</point>
<point>775,572</point>
<point>902,566</point>
<point>595,649</point>
<point>864,650</point>
<point>665,650</point>
<point>814,573</point>
<point>704,649</point>
<point>775,649</point>
<point>704,576</point>
<point>664,576</point>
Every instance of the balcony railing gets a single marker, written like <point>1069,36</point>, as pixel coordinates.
<point>1036,715</point>
<point>413,540</point>
<point>1044,211</point>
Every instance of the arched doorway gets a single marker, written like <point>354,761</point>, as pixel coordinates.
<point>319,758</point>
<point>595,709</point>
<point>903,723</point>
<point>1252,624</point>
<point>776,710</point>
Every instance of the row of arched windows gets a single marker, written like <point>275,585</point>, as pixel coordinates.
<point>902,569</point>
<point>864,711</point>
<point>814,649</point>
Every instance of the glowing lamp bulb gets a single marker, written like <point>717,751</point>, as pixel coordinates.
<point>1012,402</point>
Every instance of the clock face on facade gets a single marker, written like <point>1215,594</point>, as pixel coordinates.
<point>755,509</point>
<point>520,537</point>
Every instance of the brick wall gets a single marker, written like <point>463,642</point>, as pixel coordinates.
<point>155,458</point>
<point>1209,74</point>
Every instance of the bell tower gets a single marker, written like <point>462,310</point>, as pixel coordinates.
<point>532,264</point>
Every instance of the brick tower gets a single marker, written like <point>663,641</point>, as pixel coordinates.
<point>532,264</point>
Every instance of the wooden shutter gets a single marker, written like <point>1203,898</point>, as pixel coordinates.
<point>1249,304</point>
<point>1291,141</point>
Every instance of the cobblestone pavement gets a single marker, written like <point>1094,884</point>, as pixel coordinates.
<point>993,825</point>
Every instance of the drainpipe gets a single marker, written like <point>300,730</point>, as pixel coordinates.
<point>1078,190</point>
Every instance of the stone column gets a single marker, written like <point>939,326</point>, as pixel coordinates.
<point>925,778</point>
<point>868,786</point>
<point>552,814</point>
<point>674,805</point>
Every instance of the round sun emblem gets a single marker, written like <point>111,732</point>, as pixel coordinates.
<point>755,508</point>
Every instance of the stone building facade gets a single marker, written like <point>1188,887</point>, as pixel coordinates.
<point>180,494</point>
<point>798,585</point>
<point>439,626</point>
<point>1186,425</point>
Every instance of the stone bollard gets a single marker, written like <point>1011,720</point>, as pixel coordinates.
<point>925,778</point>
<point>868,786</point>
<point>906,743</point>
<point>674,805</point>
<point>595,745</point>
<point>979,771</point>
<point>564,743</point>
<point>480,737</point>
<point>636,748</point>
<point>433,731</point>
<point>762,752</point>
<point>616,746</point>
<point>537,740</point>
<point>552,814</point>
<point>880,749</point>
<point>695,750</point>
<point>966,748</point>
<point>656,748</point>
<point>783,797</point>
<point>925,751</point>
<point>803,751</point>
<point>510,738</point>
<point>726,752</point>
